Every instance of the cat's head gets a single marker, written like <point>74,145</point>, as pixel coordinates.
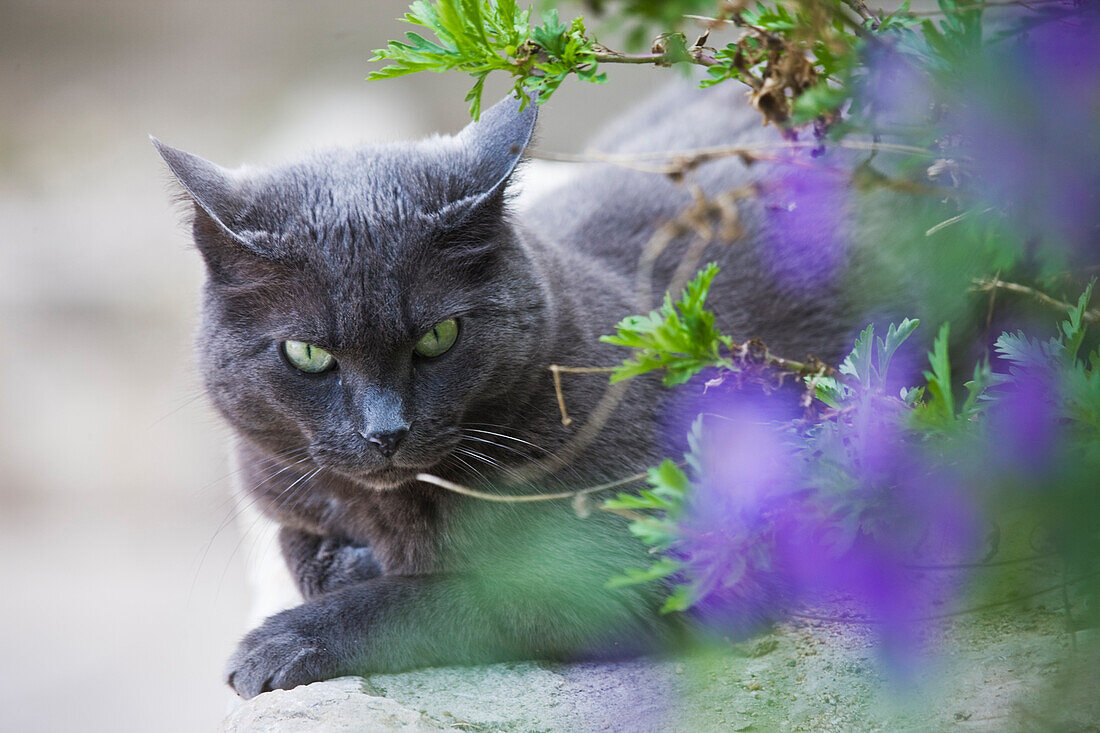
<point>361,303</point>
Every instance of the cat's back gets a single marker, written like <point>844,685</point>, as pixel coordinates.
<point>609,210</point>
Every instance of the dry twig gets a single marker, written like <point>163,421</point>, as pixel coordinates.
<point>679,162</point>
<point>995,283</point>
<point>525,498</point>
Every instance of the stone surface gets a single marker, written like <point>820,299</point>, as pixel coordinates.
<point>343,704</point>
<point>986,672</point>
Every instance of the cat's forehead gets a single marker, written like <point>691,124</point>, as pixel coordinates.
<point>365,223</point>
<point>382,184</point>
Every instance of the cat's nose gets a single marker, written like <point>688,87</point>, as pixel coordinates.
<point>387,442</point>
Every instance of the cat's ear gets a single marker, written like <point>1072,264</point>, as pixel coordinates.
<point>497,141</point>
<point>219,194</point>
<point>233,249</point>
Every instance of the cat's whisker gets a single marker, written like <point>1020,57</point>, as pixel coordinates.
<point>265,464</point>
<point>499,445</point>
<point>310,482</point>
<point>507,437</point>
<point>518,477</point>
<point>470,467</point>
<point>303,479</point>
<point>481,457</point>
<point>239,508</point>
<point>287,495</point>
<point>258,496</point>
<point>477,455</point>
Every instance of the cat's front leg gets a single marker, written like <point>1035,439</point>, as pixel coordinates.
<point>323,564</point>
<point>394,623</point>
<point>329,636</point>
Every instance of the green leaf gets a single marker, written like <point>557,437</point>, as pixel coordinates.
<point>662,568</point>
<point>681,599</point>
<point>653,532</point>
<point>912,395</point>
<point>679,339</point>
<point>858,363</point>
<point>821,99</point>
<point>939,379</point>
<point>976,387</point>
<point>694,457</point>
<point>829,391</point>
<point>1074,328</point>
<point>669,478</point>
<point>895,337</point>
<point>474,95</point>
<point>479,37</point>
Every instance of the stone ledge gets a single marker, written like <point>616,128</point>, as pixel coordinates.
<point>989,673</point>
<point>344,704</point>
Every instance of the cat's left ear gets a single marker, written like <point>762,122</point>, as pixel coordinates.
<point>497,141</point>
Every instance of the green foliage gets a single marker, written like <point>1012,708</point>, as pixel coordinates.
<point>941,408</point>
<point>481,36</point>
<point>1073,329</point>
<point>679,339</point>
<point>654,513</point>
<point>955,40</point>
<point>802,60</point>
<point>1027,355</point>
<point>868,364</point>
<point>808,61</point>
<point>939,412</point>
<point>833,473</point>
<point>661,568</point>
<point>869,361</point>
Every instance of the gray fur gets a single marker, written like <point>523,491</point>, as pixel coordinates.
<point>362,251</point>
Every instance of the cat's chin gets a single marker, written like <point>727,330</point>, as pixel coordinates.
<point>390,477</point>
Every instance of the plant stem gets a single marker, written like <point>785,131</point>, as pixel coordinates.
<point>678,161</point>
<point>983,284</point>
<point>695,56</point>
<point>525,498</point>
<point>861,10</point>
<point>981,6</point>
<point>611,57</point>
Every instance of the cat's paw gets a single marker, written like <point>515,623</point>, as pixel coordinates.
<point>321,565</point>
<point>281,654</point>
<point>335,566</point>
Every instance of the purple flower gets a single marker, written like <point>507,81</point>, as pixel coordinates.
<point>807,223</point>
<point>747,472</point>
<point>1023,432</point>
<point>1030,121</point>
<point>895,91</point>
<point>770,528</point>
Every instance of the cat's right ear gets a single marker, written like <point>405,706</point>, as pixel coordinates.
<point>498,140</point>
<point>222,233</point>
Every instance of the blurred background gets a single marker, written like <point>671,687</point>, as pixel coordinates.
<point>122,586</point>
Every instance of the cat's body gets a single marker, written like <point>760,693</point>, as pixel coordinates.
<point>361,251</point>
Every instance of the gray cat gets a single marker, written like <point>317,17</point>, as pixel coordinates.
<point>374,313</point>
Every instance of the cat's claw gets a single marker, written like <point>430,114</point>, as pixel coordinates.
<point>278,656</point>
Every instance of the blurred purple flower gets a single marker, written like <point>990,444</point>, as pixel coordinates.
<point>1022,438</point>
<point>894,91</point>
<point>746,473</point>
<point>1030,121</point>
<point>807,216</point>
<point>863,548</point>
<point>765,531</point>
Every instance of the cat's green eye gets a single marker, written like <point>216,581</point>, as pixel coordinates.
<point>307,357</point>
<point>437,341</point>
